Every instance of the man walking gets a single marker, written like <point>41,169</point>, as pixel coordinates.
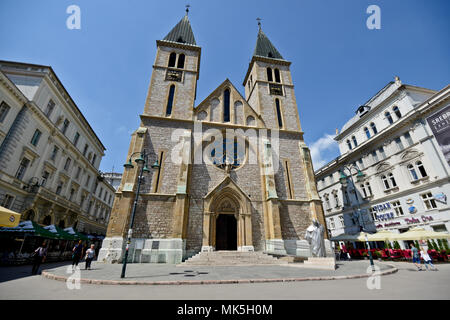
<point>39,257</point>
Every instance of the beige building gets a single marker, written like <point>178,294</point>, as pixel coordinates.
<point>231,173</point>
<point>49,154</point>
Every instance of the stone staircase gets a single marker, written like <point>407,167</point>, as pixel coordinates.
<point>232,258</point>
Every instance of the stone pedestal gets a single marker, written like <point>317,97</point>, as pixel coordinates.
<point>246,249</point>
<point>320,263</point>
<point>142,250</point>
<point>275,246</point>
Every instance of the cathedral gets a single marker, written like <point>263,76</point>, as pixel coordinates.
<point>231,173</point>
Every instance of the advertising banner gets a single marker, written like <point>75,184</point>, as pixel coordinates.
<point>440,125</point>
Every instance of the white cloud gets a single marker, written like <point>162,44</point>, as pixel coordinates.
<point>324,150</point>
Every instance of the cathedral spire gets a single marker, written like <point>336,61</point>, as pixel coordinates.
<point>182,32</point>
<point>265,48</point>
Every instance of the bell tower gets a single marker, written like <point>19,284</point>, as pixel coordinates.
<point>269,88</point>
<point>173,83</point>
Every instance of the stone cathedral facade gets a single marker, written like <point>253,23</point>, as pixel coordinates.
<point>231,173</point>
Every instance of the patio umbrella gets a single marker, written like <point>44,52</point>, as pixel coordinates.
<point>422,234</point>
<point>383,235</point>
<point>9,218</point>
<point>361,236</point>
<point>29,228</point>
<point>60,232</point>
<point>78,235</point>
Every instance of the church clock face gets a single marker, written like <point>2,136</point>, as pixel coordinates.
<point>229,151</point>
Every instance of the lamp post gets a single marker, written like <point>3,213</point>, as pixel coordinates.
<point>142,162</point>
<point>344,181</point>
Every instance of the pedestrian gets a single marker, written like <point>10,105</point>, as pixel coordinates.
<point>416,257</point>
<point>77,254</point>
<point>39,256</point>
<point>427,260</point>
<point>90,255</point>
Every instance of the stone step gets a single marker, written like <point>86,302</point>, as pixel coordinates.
<point>226,258</point>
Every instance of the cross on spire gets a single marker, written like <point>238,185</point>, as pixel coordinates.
<point>187,9</point>
<point>259,22</point>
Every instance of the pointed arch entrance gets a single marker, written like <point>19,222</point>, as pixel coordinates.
<point>227,219</point>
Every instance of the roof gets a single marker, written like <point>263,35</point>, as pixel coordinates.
<point>182,32</point>
<point>265,48</point>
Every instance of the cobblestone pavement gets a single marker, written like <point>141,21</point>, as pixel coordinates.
<point>407,283</point>
<point>178,274</point>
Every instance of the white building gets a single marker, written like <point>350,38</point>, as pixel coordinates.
<point>406,175</point>
<point>114,179</point>
<point>49,154</point>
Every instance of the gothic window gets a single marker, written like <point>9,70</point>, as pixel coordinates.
<point>367,132</point>
<point>170,100</point>
<point>269,74</point>
<point>279,117</point>
<point>389,117</point>
<point>172,58</point>
<point>231,153</point>
<point>397,112</point>
<point>180,64</point>
<point>226,106</point>
<point>277,75</point>
<point>251,121</point>
<point>288,182</point>
<point>374,128</point>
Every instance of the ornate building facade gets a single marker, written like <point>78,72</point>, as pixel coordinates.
<point>49,154</point>
<point>232,173</point>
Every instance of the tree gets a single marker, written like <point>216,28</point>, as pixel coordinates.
<point>445,243</point>
<point>396,245</point>
<point>440,244</point>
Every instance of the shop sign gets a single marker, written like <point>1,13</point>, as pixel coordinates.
<point>412,220</point>
<point>441,197</point>
<point>382,207</point>
<point>379,211</point>
<point>387,225</point>
<point>409,201</point>
<point>385,216</point>
<point>426,219</point>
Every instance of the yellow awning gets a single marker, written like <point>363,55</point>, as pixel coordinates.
<point>9,218</point>
<point>422,234</point>
<point>383,235</point>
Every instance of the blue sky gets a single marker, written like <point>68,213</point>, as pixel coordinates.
<point>337,62</point>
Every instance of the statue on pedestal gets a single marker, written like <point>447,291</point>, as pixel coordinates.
<point>314,236</point>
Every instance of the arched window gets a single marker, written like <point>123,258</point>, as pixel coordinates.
<point>355,143</point>
<point>391,177</point>
<point>349,145</point>
<point>367,132</point>
<point>412,172</point>
<point>180,61</point>
<point>389,117</point>
<point>170,100</point>
<point>374,128</point>
<point>385,182</point>
<point>369,189</point>
<point>226,106</point>
<point>232,153</point>
<point>269,74</point>
<point>47,220</point>
<point>421,168</point>
<point>397,112</point>
<point>280,119</point>
<point>277,75</point>
<point>172,58</point>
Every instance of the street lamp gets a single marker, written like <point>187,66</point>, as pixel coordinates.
<point>359,178</point>
<point>142,162</point>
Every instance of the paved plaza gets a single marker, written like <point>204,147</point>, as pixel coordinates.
<point>405,283</point>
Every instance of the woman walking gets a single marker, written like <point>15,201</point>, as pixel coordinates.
<point>77,254</point>
<point>427,260</point>
<point>39,257</point>
<point>90,255</point>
